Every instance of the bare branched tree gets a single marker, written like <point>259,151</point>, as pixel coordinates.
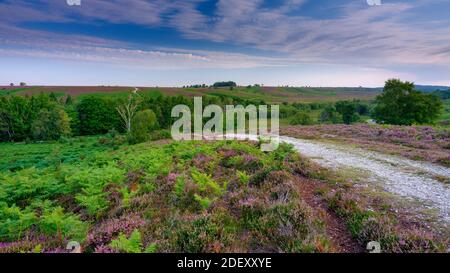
<point>128,109</point>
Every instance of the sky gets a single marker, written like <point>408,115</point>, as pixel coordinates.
<point>183,42</point>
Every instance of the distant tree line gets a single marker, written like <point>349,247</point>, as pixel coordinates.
<point>443,94</point>
<point>348,111</point>
<point>215,85</point>
<point>225,84</point>
<point>48,117</point>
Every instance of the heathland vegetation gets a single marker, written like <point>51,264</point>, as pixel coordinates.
<point>100,169</point>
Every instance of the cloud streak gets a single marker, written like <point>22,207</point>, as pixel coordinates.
<point>351,33</point>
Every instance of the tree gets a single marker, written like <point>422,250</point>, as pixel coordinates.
<point>142,124</point>
<point>17,114</point>
<point>442,94</point>
<point>301,118</point>
<point>330,115</point>
<point>128,109</point>
<point>69,100</point>
<point>225,84</point>
<point>402,105</point>
<point>51,124</point>
<point>53,97</point>
<point>348,111</point>
<point>97,115</point>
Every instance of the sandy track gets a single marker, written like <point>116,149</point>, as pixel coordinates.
<point>410,179</point>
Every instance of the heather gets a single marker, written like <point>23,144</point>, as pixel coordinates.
<point>415,142</point>
<point>222,196</point>
<point>175,197</point>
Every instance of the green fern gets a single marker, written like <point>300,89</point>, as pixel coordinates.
<point>204,202</point>
<point>133,244</point>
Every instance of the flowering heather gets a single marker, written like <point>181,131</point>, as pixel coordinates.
<point>106,231</point>
<point>240,160</point>
<point>171,177</point>
<point>105,249</point>
<point>56,250</point>
<point>33,243</point>
<point>415,142</point>
<point>201,160</point>
<point>224,196</point>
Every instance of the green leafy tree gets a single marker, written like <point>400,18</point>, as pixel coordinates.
<point>401,104</point>
<point>301,118</point>
<point>348,111</point>
<point>225,84</point>
<point>51,124</point>
<point>143,123</point>
<point>330,115</point>
<point>97,115</point>
<point>17,114</point>
<point>69,100</point>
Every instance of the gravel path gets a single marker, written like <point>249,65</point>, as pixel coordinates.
<point>407,178</point>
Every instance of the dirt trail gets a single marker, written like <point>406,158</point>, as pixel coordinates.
<point>413,180</point>
<point>335,227</point>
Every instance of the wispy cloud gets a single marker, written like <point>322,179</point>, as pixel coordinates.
<point>347,33</point>
<point>360,34</point>
<point>384,34</point>
<point>41,44</point>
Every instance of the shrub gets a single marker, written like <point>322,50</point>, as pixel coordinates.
<point>143,123</point>
<point>196,236</point>
<point>330,115</point>
<point>301,118</point>
<point>348,111</point>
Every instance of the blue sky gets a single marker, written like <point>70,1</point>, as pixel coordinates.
<point>180,42</point>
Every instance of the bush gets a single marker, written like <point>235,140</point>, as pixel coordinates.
<point>144,122</point>
<point>330,115</point>
<point>51,125</point>
<point>301,118</point>
<point>160,134</point>
<point>348,110</point>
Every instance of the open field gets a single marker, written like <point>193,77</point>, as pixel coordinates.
<point>267,94</point>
